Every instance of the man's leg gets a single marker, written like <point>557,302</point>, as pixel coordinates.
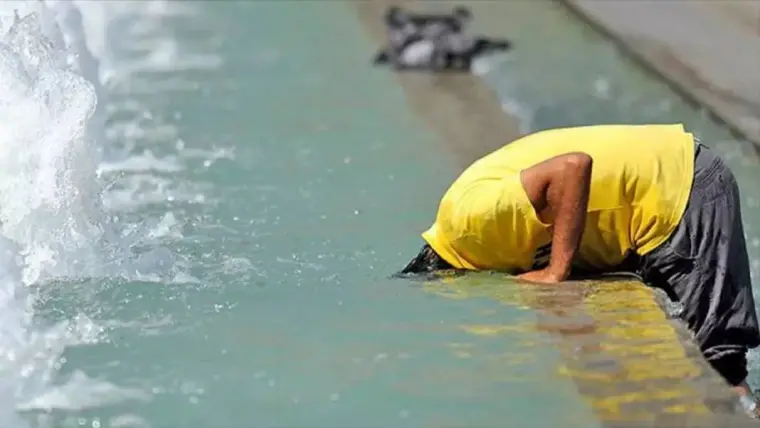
<point>705,266</point>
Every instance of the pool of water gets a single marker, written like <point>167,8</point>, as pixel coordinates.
<point>210,243</point>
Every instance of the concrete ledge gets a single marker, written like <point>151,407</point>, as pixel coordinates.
<point>709,51</point>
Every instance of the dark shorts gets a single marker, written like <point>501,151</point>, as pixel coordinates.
<point>705,267</point>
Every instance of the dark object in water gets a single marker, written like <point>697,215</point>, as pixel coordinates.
<point>433,42</point>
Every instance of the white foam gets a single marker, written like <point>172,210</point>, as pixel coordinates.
<point>48,185</point>
<point>52,223</point>
<point>46,166</point>
<point>63,192</point>
<point>81,392</point>
<point>144,162</point>
<point>137,191</point>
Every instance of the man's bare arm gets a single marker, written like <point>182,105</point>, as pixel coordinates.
<point>558,189</point>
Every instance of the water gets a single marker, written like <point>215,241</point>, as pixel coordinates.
<point>200,210</point>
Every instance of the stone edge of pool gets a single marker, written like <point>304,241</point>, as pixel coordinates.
<point>441,101</point>
<point>708,51</point>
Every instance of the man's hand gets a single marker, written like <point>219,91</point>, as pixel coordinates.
<point>542,276</point>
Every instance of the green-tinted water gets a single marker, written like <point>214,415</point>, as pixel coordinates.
<point>294,321</point>
<point>304,180</point>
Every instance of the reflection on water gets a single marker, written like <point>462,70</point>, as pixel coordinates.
<point>624,356</point>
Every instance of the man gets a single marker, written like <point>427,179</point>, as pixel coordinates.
<point>644,198</point>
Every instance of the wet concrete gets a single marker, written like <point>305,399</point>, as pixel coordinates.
<point>709,51</point>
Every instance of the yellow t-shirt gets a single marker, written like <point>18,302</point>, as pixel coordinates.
<point>640,184</point>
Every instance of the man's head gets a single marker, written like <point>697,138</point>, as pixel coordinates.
<point>426,261</point>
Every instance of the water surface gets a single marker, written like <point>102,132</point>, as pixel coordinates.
<point>259,188</point>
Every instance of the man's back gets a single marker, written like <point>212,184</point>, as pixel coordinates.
<point>640,184</point>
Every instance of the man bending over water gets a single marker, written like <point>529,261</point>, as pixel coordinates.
<point>643,198</point>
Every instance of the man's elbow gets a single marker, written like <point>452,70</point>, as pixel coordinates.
<point>577,161</point>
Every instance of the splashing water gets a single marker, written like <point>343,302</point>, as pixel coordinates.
<point>48,187</point>
<point>52,224</point>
